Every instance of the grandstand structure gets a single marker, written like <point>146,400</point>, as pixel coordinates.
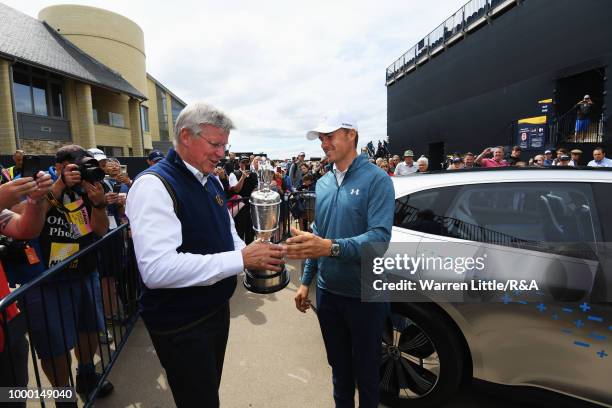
<point>496,64</point>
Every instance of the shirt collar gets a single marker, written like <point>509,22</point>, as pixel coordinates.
<point>336,171</point>
<point>202,178</point>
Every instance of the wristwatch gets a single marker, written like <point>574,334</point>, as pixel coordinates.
<point>334,251</point>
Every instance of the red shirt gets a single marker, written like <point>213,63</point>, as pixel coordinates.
<point>11,311</point>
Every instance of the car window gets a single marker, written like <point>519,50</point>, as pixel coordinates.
<point>424,210</point>
<point>603,193</point>
<point>525,214</point>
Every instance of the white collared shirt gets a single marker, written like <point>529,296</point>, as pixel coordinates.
<point>339,174</point>
<point>402,169</point>
<point>156,232</point>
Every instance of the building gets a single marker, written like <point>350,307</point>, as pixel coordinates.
<point>504,72</point>
<point>77,74</point>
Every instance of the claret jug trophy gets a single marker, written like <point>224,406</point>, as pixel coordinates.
<point>265,214</point>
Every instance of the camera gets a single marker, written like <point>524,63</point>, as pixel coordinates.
<point>90,170</point>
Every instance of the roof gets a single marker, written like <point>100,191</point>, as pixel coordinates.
<point>416,182</point>
<point>162,86</point>
<point>34,42</point>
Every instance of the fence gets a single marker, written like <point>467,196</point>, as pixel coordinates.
<point>91,310</point>
<point>566,130</point>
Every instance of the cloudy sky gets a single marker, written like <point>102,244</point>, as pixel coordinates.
<point>277,66</point>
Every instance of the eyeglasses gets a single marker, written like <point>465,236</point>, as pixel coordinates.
<point>217,145</point>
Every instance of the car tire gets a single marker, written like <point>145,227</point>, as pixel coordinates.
<point>415,336</point>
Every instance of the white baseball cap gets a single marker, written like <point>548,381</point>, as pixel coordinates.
<point>331,123</point>
<point>97,154</point>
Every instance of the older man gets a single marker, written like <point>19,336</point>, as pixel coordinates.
<point>407,166</point>
<point>496,161</point>
<point>189,254</point>
<point>599,158</point>
<point>354,207</point>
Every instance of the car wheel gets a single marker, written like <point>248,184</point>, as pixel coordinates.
<point>422,359</point>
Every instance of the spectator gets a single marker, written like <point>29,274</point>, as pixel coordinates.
<point>455,164</point>
<point>154,157</point>
<point>583,120</point>
<point>564,161</point>
<point>600,159</point>
<point>496,161</point>
<point>242,182</point>
<point>576,155</point>
<point>393,163</point>
<point>548,158</point>
<point>385,166</point>
<point>231,164</point>
<point>11,173</point>
<point>468,160</point>
<point>515,156</point>
<point>379,161</point>
<point>538,161</point>
<point>560,152</point>
<point>223,179</point>
<point>520,164</point>
<point>75,216</point>
<point>295,173</point>
<point>407,166</point>
<point>27,225</point>
<point>422,164</point>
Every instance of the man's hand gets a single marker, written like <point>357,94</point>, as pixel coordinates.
<point>125,179</point>
<point>95,193</point>
<point>112,198</point>
<point>302,303</point>
<point>12,193</point>
<point>262,256</point>
<point>71,175</point>
<point>304,245</point>
<point>43,184</point>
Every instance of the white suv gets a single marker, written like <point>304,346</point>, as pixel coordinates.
<point>560,346</point>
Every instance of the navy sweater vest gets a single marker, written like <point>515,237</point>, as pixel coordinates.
<point>205,227</point>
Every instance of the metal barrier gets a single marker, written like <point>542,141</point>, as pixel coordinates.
<point>471,15</point>
<point>91,311</point>
<point>563,129</point>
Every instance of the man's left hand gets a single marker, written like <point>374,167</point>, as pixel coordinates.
<point>95,193</point>
<point>306,245</point>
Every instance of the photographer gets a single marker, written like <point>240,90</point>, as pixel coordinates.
<point>243,182</point>
<point>27,225</point>
<point>75,212</point>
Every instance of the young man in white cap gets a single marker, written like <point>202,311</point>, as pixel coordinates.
<point>407,166</point>
<point>354,206</point>
<point>583,119</point>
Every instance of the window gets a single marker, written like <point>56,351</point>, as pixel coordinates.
<point>144,118</point>
<point>423,211</point>
<point>112,151</point>
<point>162,113</point>
<point>38,92</point>
<point>21,90</point>
<point>603,192</point>
<point>177,107</point>
<point>116,119</point>
<point>528,215</point>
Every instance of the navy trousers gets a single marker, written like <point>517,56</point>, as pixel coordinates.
<point>193,359</point>
<point>352,333</point>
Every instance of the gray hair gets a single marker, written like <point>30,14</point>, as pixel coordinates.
<point>200,113</point>
<point>423,159</point>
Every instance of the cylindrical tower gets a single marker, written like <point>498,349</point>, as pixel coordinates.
<point>112,39</point>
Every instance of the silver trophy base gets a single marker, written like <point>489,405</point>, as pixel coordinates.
<point>265,282</point>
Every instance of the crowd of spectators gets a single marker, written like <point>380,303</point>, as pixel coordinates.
<point>46,216</point>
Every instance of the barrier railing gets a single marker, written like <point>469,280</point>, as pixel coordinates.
<point>470,15</point>
<point>87,303</point>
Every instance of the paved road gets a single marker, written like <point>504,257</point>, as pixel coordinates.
<point>275,359</point>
